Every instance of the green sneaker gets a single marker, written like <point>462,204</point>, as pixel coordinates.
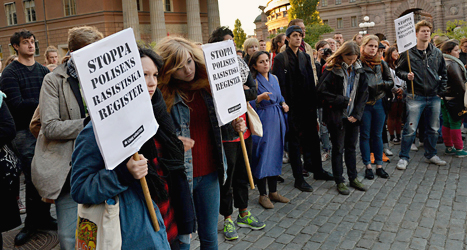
<point>355,183</point>
<point>461,153</point>
<point>229,230</point>
<point>450,151</point>
<point>250,221</point>
<point>343,189</point>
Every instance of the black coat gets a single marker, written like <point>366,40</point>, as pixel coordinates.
<point>331,89</point>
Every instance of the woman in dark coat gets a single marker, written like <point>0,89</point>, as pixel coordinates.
<point>343,89</point>
<point>11,218</point>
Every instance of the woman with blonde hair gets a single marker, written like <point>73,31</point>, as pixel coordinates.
<point>380,84</point>
<point>251,45</point>
<point>184,85</point>
<point>343,89</point>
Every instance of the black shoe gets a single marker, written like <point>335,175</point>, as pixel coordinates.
<point>280,179</point>
<point>325,175</point>
<point>381,173</point>
<point>369,174</point>
<point>303,186</point>
<point>24,236</point>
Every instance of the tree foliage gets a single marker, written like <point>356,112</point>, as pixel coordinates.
<point>304,9</point>
<point>314,32</point>
<point>456,29</point>
<point>239,34</point>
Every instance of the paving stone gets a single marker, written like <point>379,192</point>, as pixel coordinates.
<point>285,238</point>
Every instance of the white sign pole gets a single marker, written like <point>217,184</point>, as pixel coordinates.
<point>117,99</point>
<point>227,88</point>
<point>406,38</point>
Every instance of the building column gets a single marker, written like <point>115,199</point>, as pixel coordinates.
<point>214,19</point>
<point>389,21</point>
<point>130,17</point>
<point>194,21</point>
<point>158,30</point>
<point>439,22</point>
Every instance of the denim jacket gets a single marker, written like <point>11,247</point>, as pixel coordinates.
<point>180,113</point>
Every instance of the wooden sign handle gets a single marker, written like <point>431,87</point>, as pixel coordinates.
<point>147,196</point>
<point>247,162</point>
<point>410,71</point>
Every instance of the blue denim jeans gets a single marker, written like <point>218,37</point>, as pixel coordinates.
<point>432,107</point>
<point>67,214</point>
<point>371,129</point>
<point>206,197</point>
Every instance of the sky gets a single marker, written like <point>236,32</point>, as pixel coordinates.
<point>245,10</point>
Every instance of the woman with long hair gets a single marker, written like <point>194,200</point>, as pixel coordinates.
<point>343,89</point>
<point>268,150</point>
<point>455,91</point>
<point>380,85</point>
<point>397,104</point>
<point>185,87</point>
<point>251,45</point>
<point>276,45</point>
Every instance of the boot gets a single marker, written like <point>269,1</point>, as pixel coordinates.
<point>265,202</point>
<point>277,197</point>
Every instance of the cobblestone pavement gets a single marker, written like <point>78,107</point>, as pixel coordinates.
<point>423,207</point>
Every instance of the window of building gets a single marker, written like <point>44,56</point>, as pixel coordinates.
<point>29,11</point>
<point>352,1</point>
<point>324,3</point>
<point>70,7</point>
<point>353,21</point>
<point>168,6</point>
<point>10,11</point>
<point>37,52</point>
<point>339,23</point>
<point>326,22</point>
<point>338,2</point>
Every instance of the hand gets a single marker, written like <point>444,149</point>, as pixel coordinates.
<point>188,143</point>
<point>399,91</point>
<point>245,87</point>
<point>239,125</point>
<point>285,107</point>
<point>351,119</point>
<point>410,76</point>
<point>138,169</point>
<point>263,96</point>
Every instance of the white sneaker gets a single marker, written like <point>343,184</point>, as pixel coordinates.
<point>285,158</point>
<point>402,164</point>
<point>420,144</point>
<point>325,156</point>
<point>413,147</point>
<point>436,160</point>
<point>387,152</point>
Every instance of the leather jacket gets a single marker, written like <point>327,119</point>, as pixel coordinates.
<point>380,82</point>
<point>457,79</point>
<point>429,70</point>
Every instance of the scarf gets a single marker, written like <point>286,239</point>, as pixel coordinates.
<point>458,62</point>
<point>371,61</point>
<point>302,46</point>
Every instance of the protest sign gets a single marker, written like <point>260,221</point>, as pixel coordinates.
<point>405,32</point>
<point>116,95</point>
<point>224,77</point>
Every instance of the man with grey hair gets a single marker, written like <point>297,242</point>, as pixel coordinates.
<point>332,43</point>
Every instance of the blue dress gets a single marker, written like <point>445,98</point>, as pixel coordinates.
<point>268,150</point>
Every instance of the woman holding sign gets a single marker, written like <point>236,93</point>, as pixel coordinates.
<point>268,150</point>
<point>185,87</point>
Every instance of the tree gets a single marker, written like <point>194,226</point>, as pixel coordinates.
<point>456,29</point>
<point>304,9</point>
<point>239,34</point>
<point>314,32</point>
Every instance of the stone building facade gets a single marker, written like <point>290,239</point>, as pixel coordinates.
<point>344,16</point>
<point>151,20</point>
<point>261,31</point>
<point>277,15</point>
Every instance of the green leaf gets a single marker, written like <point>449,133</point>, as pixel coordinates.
<point>239,33</point>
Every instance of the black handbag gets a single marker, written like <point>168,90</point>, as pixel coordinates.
<point>456,108</point>
<point>9,167</point>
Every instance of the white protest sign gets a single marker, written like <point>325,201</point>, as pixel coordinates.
<point>405,32</point>
<point>224,78</point>
<point>116,95</point>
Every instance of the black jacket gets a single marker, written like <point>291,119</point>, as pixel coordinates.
<point>463,57</point>
<point>457,80</point>
<point>7,125</point>
<point>380,82</point>
<point>429,69</point>
<point>331,90</point>
<point>297,85</point>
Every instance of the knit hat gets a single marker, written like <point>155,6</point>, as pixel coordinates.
<point>293,28</point>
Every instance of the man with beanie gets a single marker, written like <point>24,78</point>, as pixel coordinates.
<point>297,82</point>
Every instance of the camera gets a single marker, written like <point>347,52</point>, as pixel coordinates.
<point>327,52</point>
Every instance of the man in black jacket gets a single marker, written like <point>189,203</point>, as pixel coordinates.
<point>429,84</point>
<point>21,81</point>
<point>295,74</point>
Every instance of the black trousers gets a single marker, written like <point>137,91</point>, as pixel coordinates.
<point>271,182</point>
<point>235,190</point>
<point>344,143</point>
<point>307,139</point>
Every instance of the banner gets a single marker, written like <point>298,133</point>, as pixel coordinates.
<point>117,98</point>
<point>405,32</point>
<point>224,78</point>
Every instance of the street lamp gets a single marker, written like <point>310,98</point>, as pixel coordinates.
<point>366,25</point>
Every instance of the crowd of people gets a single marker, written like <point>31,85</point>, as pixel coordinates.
<point>314,104</point>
